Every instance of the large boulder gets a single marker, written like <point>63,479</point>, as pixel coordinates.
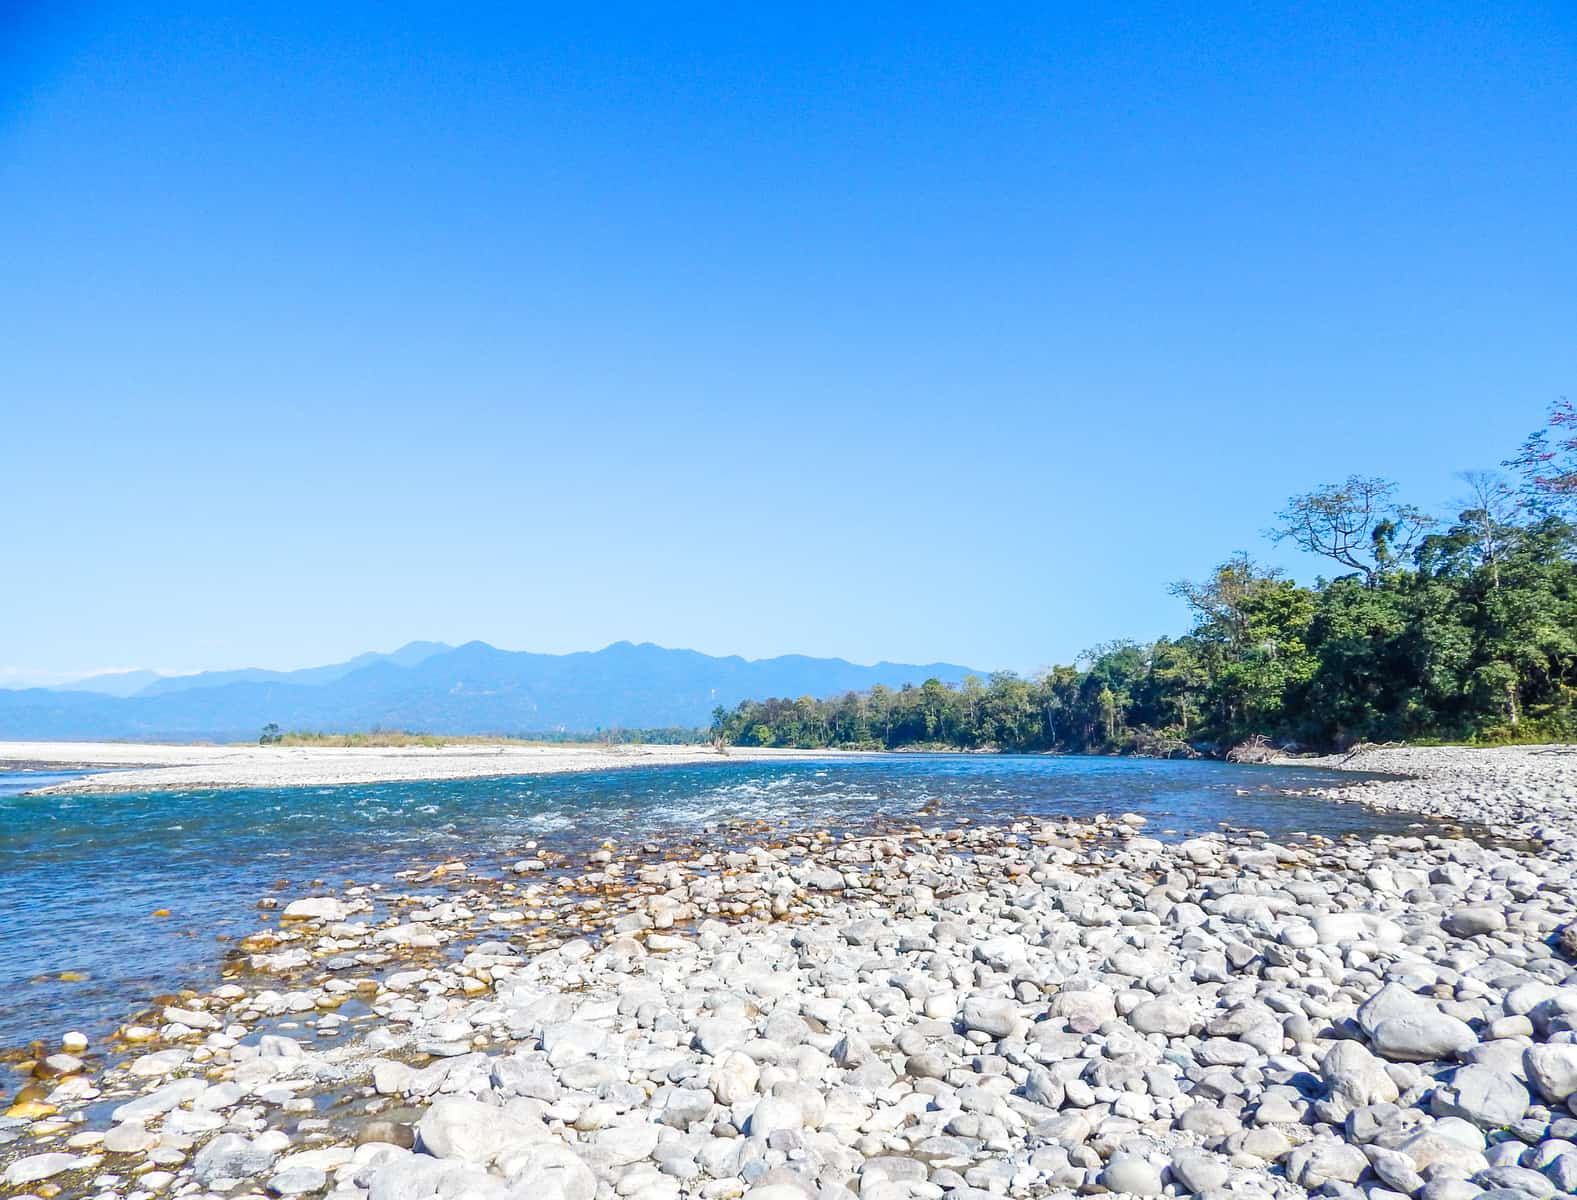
<point>1393,1000</point>
<point>232,1156</point>
<point>621,1145</point>
<point>417,1177</point>
<point>1474,920</point>
<point>1161,1016</point>
<point>316,908</point>
<point>996,1018</point>
<point>465,1129</point>
<point>572,1041</point>
<point>1335,929</point>
<point>1566,940</point>
<point>1199,1172</point>
<point>773,1113</point>
<point>1131,1176</point>
<point>735,1077</point>
<point>1434,1148</point>
<point>161,1100</point>
<point>1489,1098</point>
<point>515,1075</point>
<point>1323,1160</point>
<point>548,1172</point>
<point>1355,1078</point>
<point>1422,1037</point>
<point>685,1106</point>
<point>1085,1009</point>
<point>37,1167</point>
<point>1552,1068</point>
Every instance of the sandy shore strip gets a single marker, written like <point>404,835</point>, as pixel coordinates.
<point>137,767</point>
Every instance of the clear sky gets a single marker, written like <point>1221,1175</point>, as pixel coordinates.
<point>911,332</point>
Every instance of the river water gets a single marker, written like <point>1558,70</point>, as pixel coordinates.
<point>81,877</point>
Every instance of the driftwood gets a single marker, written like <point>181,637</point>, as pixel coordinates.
<point>1363,747</point>
<point>1155,745</point>
<point>1257,749</point>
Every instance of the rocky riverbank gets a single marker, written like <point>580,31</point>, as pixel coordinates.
<point>1044,1008</point>
<point>1525,792</point>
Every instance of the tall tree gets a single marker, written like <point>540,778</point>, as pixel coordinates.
<point>1490,513</point>
<point>1251,624</point>
<point>1548,460</point>
<point>1358,524</point>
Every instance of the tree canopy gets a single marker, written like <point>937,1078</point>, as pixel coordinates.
<point>1460,629</point>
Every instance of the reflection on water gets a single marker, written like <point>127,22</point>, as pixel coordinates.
<point>81,876</point>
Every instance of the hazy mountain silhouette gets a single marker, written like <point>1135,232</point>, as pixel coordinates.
<point>475,688</point>
<point>111,683</point>
<point>407,655</point>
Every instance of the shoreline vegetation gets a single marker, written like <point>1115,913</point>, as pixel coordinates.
<point>1460,630</point>
<point>383,738</point>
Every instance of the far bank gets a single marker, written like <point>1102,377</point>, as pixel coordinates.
<point>139,767</point>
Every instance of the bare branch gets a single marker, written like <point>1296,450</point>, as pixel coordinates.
<point>1490,509</point>
<point>1355,523</point>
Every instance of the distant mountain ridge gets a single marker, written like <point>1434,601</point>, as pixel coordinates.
<point>431,687</point>
<point>113,683</point>
<point>151,683</point>
<point>407,655</point>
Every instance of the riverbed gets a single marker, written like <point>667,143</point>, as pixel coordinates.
<point>112,898</point>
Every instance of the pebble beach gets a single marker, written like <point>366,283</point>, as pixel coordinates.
<point>953,1011</point>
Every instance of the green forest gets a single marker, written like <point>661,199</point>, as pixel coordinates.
<point>1458,628</point>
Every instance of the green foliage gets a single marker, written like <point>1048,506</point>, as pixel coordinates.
<point>1473,639</point>
<point>1548,460</point>
<point>664,736</point>
<point>270,735</point>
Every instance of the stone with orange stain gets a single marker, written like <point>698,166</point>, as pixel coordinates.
<point>31,1110</point>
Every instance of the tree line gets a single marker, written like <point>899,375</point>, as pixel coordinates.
<point>1456,629</point>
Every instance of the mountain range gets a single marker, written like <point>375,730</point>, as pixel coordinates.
<point>435,688</point>
<point>152,683</point>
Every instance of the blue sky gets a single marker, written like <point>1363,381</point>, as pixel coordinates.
<point>917,332</point>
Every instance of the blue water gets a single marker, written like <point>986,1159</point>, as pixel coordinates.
<point>14,783</point>
<point>81,876</point>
